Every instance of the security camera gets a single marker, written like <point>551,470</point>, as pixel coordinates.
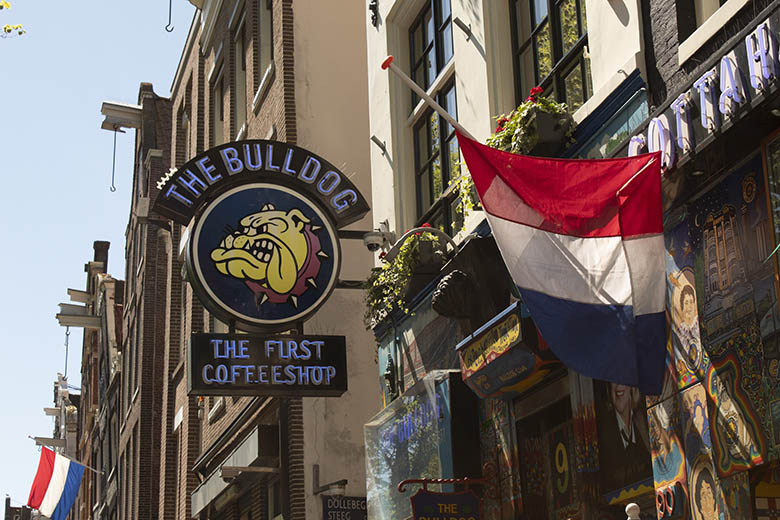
<point>373,240</point>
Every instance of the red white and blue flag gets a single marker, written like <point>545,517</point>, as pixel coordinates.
<point>56,485</point>
<point>583,241</point>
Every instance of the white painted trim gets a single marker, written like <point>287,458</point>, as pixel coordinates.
<point>708,29</point>
<point>216,410</point>
<point>178,418</point>
<point>263,88</point>
<point>238,7</point>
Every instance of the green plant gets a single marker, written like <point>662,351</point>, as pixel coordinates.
<point>386,285</point>
<point>516,132</point>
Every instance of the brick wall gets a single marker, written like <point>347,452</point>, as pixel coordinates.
<point>661,35</point>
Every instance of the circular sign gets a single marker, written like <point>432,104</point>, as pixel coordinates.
<point>263,255</point>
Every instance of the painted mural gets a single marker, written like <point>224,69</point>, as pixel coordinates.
<point>501,498</point>
<point>722,306</point>
<point>624,444</point>
<point>670,477</point>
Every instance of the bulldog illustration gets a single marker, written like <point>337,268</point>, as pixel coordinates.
<point>275,252</point>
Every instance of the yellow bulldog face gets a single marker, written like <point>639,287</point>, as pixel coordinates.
<point>270,248</point>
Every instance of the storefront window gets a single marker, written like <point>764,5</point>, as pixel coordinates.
<point>410,438</point>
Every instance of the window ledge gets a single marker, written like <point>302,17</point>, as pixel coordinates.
<point>444,76</point>
<point>708,29</point>
<point>216,411</point>
<point>263,88</point>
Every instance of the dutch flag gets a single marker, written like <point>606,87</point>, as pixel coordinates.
<point>56,485</point>
<point>583,241</point>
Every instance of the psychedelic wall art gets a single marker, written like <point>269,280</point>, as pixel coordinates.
<point>500,465</point>
<point>729,237</point>
<point>668,456</point>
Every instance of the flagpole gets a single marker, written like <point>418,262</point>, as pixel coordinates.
<point>65,456</point>
<point>388,64</point>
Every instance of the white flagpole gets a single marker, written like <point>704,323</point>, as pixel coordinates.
<point>41,443</point>
<point>388,64</point>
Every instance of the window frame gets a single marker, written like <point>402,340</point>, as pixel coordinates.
<point>437,44</point>
<point>554,83</point>
<point>217,83</point>
<point>441,206</point>
<point>263,53</point>
<point>240,112</point>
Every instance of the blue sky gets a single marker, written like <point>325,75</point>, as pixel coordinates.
<point>55,173</point>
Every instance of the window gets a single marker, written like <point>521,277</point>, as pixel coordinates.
<point>239,49</point>
<point>265,39</point>
<point>691,14</point>
<point>274,490</point>
<point>436,158</point>
<point>549,41</point>
<point>218,108</point>
<point>183,151</point>
<point>430,42</point>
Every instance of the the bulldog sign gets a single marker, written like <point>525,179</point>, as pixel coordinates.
<point>263,250</point>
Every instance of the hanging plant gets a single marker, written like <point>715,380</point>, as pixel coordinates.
<point>386,286</point>
<point>538,120</point>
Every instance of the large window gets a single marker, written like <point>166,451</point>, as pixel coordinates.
<point>549,42</point>
<point>239,49</point>
<point>218,108</point>
<point>264,39</point>
<point>436,159</point>
<point>430,42</point>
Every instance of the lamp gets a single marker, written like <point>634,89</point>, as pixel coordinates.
<point>393,252</point>
<point>338,487</point>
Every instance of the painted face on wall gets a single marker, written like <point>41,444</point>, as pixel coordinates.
<point>688,307</point>
<point>707,501</point>
<point>621,397</point>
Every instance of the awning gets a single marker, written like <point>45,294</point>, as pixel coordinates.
<point>261,446</point>
<point>505,357</point>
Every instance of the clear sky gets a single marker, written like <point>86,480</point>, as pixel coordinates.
<point>55,173</point>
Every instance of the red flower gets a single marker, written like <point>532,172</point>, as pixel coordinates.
<point>534,92</point>
<point>425,224</point>
<point>382,255</point>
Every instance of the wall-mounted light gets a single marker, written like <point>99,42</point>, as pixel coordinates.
<point>465,28</point>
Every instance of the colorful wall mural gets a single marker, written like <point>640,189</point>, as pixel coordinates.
<point>500,465</point>
<point>668,455</point>
<point>624,444</point>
